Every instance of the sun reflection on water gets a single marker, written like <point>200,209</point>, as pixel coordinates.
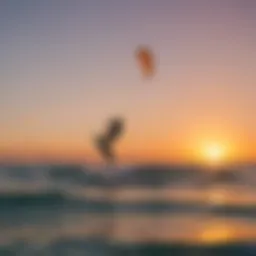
<point>216,233</point>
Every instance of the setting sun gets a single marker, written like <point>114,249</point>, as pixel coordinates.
<point>214,153</point>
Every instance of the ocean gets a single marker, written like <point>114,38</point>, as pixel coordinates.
<point>129,210</point>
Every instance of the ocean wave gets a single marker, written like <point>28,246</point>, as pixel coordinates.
<point>144,189</point>
<point>142,175</point>
<point>57,200</point>
<point>103,248</point>
<point>248,211</point>
<point>31,199</point>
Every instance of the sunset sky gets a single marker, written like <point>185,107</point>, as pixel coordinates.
<point>68,65</point>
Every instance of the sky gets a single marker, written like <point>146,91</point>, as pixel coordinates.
<point>66,66</point>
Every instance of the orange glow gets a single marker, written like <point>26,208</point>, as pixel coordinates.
<point>201,149</point>
<point>216,234</point>
<point>214,153</point>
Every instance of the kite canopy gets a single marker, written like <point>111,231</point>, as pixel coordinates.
<point>146,61</point>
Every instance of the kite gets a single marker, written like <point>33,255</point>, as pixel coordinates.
<point>146,61</point>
